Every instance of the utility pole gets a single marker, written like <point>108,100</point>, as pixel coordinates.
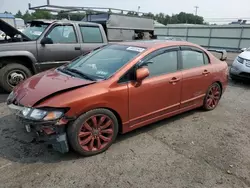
<point>138,9</point>
<point>196,9</point>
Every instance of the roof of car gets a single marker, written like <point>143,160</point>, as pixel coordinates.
<point>156,43</point>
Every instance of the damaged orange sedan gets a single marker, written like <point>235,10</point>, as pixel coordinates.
<point>117,88</point>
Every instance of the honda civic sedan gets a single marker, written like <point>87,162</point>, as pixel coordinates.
<point>117,88</point>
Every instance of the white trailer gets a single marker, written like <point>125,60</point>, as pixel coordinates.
<point>120,27</point>
<point>9,18</point>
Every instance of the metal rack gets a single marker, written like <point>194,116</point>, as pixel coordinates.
<point>88,10</point>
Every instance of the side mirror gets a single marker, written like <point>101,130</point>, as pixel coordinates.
<point>243,49</point>
<point>141,74</point>
<point>46,40</point>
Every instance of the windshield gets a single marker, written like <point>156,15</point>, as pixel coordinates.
<point>104,62</point>
<point>33,32</point>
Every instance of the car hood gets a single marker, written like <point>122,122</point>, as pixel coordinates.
<point>245,55</point>
<point>43,85</point>
<point>10,30</point>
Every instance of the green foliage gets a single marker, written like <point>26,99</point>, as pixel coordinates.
<point>182,17</point>
<point>19,14</point>
<point>6,12</point>
<point>41,14</point>
<point>27,16</point>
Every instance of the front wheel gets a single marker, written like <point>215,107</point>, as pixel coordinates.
<point>93,132</point>
<point>12,74</point>
<point>212,97</point>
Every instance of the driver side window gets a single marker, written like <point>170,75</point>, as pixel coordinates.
<point>63,34</point>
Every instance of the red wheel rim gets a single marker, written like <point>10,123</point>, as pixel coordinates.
<point>213,97</point>
<point>96,133</point>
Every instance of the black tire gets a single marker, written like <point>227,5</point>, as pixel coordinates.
<point>205,103</point>
<point>4,72</point>
<point>73,131</point>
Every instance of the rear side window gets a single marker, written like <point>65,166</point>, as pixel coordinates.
<point>191,59</point>
<point>91,34</point>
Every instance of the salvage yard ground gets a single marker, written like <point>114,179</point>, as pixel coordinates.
<point>195,149</point>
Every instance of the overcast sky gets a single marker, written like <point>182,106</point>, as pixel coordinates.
<point>207,8</point>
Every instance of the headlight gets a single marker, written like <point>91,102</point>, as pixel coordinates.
<point>40,114</point>
<point>240,60</point>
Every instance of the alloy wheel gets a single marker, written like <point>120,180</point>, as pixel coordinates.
<point>96,133</point>
<point>213,96</point>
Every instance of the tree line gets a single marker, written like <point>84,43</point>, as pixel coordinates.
<point>162,18</point>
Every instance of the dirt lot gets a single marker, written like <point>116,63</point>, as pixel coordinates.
<point>195,149</point>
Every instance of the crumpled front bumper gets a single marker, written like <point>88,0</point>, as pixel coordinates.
<point>50,132</point>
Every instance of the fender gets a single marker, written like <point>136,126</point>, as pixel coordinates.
<point>20,53</point>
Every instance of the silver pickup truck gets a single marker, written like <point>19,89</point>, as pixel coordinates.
<point>43,45</point>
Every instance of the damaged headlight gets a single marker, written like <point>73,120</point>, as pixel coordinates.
<point>41,114</point>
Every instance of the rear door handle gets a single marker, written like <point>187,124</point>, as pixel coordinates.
<point>174,80</point>
<point>77,48</point>
<point>205,72</point>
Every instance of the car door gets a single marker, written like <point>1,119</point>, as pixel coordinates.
<point>196,75</point>
<point>91,37</point>
<point>64,48</point>
<point>159,93</point>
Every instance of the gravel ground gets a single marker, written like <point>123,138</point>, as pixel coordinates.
<point>195,149</point>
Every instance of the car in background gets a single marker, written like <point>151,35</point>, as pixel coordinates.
<point>170,38</point>
<point>240,69</point>
<point>117,88</point>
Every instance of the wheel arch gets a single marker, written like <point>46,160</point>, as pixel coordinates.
<point>119,119</point>
<point>24,58</point>
<point>115,112</point>
<point>220,84</point>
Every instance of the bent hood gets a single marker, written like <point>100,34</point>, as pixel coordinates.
<point>10,30</point>
<point>43,85</point>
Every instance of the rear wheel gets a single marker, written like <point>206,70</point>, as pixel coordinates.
<point>12,74</point>
<point>212,97</point>
<point>93,132</point>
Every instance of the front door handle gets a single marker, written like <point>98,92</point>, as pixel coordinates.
<point>77,48</point>
<point>205,72</point>
<point>174,80</point>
